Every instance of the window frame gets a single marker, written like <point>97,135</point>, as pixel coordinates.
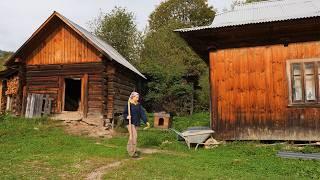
<point>316,75</point>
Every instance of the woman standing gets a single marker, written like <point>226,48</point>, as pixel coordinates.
<point>133,113</point>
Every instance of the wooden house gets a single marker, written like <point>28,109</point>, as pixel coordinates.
<point>79,71</point>
<point>264,61</point>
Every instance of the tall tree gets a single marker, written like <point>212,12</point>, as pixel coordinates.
<point>167,59</point>
<point>188,12</point>
<point>119,29</point>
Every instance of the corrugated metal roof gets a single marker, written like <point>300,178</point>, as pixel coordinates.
<point>262,12</point>
<point>105,47</point>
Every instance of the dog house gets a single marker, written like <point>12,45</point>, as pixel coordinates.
<point>162,120</point>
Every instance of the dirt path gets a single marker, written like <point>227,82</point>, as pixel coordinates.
<point>98,173</point>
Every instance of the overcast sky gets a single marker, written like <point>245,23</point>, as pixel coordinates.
<point>20,18</point>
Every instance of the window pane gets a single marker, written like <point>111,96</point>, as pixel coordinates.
<point>297,88</point>
<point>296,69</point>
<point>297,82</point>
<point>309,69</point>
<point>310,91</point>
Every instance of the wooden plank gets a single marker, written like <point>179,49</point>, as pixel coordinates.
<point>84,95</point>
<point>32,106</point>
<point>60,99</point>
<point>61,45</point>
<point>24,98</point>
<point>27,113</point>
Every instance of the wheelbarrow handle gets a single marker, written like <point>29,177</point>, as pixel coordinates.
<point>177,132</point>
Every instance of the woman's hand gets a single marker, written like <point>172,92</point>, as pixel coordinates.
<point>147,127</point>
<point>128,117</point>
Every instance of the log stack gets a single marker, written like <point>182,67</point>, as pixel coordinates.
<point>12,86</point>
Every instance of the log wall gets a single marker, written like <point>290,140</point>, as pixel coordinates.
<point>249,90</point>
<point>49,79</point>
<point>119,85</point>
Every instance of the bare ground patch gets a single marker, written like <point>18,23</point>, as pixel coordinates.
<point>98,173</point>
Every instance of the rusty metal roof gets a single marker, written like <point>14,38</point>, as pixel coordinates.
<point>263,12</point>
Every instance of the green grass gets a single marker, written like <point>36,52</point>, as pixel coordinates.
<point>39,148</point>
<point>181,123</point>
<point>234,161</point>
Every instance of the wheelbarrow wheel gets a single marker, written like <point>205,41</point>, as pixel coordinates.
<point>211,143</point>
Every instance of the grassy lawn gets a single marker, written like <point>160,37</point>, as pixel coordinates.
<point>39,149</point>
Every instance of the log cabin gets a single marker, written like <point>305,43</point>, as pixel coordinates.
<point>264,63</point>
<point>78,70</point>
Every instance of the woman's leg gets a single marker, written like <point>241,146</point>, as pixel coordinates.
<point>134,137</point>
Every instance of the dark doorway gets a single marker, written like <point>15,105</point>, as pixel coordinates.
<point>161,122</point>
<point>72,100</point>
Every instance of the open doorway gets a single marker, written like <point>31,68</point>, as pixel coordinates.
<point>72,96</point>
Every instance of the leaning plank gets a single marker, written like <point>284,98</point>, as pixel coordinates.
<point>46,110</point>
<point>27,114</point>
<point>39,105</point>
<point>32,105</point>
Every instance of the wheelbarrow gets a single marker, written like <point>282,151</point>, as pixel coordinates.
<point>196,135</point>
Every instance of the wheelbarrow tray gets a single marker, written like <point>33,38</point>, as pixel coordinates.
<point>195,136</point>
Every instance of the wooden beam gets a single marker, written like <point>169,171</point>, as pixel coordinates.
<point>84,95</point>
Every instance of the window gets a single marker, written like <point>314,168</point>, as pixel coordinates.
<point>304,76</point>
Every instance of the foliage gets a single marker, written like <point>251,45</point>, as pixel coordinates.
<point>119,29</point>
<point>3,57</point>
<point>191,13</point>
<point>198,119</point>
<point>203,94</point>
<point>166,59</point>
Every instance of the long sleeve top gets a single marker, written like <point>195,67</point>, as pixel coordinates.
<point>137,114</point>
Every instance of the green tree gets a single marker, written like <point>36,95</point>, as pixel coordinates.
<point>119,29</point>
<point>3,57</point>
<point>167,59</point>
<point>188,12</point>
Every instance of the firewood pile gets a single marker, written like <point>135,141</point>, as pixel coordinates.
<point>12,86</point>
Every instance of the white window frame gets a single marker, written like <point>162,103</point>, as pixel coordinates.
<point>304,102</point>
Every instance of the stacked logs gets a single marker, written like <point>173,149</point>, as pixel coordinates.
<point>12,86</point>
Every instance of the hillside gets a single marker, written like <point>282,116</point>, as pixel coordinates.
<point>3,57</point>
